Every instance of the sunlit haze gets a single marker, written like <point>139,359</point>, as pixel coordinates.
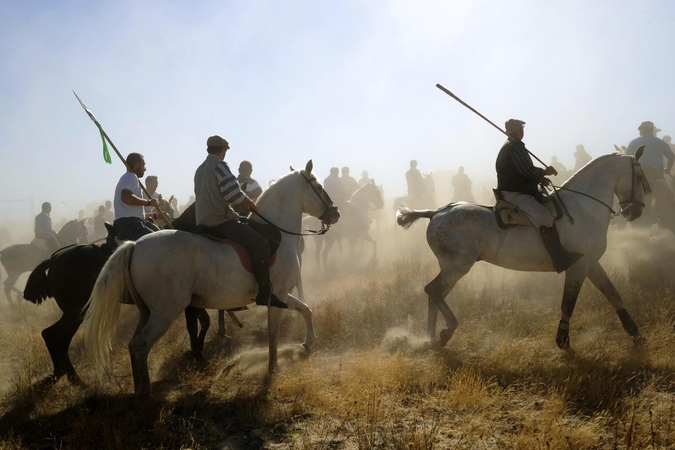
<point>348,83</point>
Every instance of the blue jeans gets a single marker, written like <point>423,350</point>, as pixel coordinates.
<point>131,228</point>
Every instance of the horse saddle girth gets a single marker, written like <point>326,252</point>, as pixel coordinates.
<point>509,215</point>
<point>269,232</point>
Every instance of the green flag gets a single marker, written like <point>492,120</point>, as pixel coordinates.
<point>106,153</point>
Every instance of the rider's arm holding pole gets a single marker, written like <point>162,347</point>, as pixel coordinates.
<point>523,164</point>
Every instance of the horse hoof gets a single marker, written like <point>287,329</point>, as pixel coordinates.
<point>639,340</point>
<point>444,338</point>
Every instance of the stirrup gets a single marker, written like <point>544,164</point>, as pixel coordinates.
<point>273,302</point>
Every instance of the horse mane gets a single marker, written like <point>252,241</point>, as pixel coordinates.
<point>594,162</point>
<point>280,181</point>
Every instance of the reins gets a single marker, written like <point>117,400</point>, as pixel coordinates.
<point>629,204</point>
<point>324,227</point>
<point>323,230</point>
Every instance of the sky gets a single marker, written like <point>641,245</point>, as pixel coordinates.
<point>344,83</point>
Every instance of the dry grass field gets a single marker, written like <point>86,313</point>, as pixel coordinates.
<point>373,382</point>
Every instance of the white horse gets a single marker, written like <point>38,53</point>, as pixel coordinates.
<point>462,233</point>
<point>164,272</point>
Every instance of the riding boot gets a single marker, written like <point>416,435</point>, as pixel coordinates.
<point>562,259</point>
<point>265,297</point>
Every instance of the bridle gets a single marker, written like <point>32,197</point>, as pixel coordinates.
<point>327,203</point>
<point>625,205</point>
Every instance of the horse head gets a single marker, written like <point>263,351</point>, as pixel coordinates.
<point>316,200</point>
<point>632,188</point>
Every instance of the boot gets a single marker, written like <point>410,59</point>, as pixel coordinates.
<point>562,260</point>
<point>265,297</point>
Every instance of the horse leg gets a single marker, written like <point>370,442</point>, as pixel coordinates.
<point>326,250</point>
<point>437,290</point>
<point>11,280</point>
<point>58,338</point>
<point>192,314</point>
<point>306,312</point>
<point>368,238</point>
<point>299,288</point>
<point>273,327</point>
<point>221,323</point>
<point>139,349</point>
<point>601,281</point>
<point>574,279</point>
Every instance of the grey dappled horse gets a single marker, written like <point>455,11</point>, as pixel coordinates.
<point>461,234</point>
<point>207,275</point>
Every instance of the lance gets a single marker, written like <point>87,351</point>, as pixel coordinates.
<point>106,156</point>
<point>485,118</point>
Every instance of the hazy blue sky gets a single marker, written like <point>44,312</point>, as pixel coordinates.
<point>344,83</point>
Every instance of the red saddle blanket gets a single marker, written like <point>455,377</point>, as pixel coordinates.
<point>243,252</point>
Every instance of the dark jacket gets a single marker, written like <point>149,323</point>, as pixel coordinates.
<point>515,171</point>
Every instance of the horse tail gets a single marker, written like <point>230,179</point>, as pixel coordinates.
<point>405,216</point>
<point>37,287</point>
<point>103,307</point>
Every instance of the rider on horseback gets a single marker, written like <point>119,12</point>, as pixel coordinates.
<point>129,201</point>
<point>216,192</point>
<point>517,179</point>
<point>43,227</point>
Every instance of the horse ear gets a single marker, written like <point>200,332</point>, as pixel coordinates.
<point>292,169</point>
<point>372,181</point>
<point>639,152</point>
<point>309,167</point>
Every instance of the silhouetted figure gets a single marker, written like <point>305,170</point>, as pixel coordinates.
<point>43,227</point>
<point>652,165</point>
<point>462,187</point>
<point>581,158</point>
<point>557,165</point>
<point>365,179</point>
<point>413,178</point>
<point>349,183</point>
<point>109,214</point>
<point>518,181</point>
<point>99,224</point>
<point>333,185</point>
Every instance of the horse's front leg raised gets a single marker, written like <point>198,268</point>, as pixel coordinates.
<point>601,281</point>
<point>574,279</point>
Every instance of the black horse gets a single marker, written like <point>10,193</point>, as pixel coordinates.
<point>69,277</point>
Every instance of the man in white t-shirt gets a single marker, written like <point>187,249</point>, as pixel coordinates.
<point>129,201</point>
<point>248,186</point>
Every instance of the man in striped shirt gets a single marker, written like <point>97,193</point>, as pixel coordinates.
<point>43,227</point>
<point>518,180</point>
<point>216,192</point>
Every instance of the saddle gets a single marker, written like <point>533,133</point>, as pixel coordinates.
<point>509,215</point>
<point>269,232</point>
<point>41,244</point>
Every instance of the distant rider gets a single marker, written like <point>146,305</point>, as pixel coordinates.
<point>43,227</point>
<point>517,179</point>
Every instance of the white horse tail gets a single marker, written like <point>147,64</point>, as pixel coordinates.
<point>405,216</point>
<point>111,288</point>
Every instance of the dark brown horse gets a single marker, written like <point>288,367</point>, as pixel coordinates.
<point>69,277</point>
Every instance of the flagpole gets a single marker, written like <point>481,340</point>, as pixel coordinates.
<point>105,137</point>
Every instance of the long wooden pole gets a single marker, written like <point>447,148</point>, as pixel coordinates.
<point>93,118</point>
<point>484,118</point>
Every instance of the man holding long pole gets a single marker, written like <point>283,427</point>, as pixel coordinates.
<point>518,180</point>
<point>129,201</point>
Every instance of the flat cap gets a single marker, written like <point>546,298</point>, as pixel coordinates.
<point>216,141</point>
<point>512,125</point>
